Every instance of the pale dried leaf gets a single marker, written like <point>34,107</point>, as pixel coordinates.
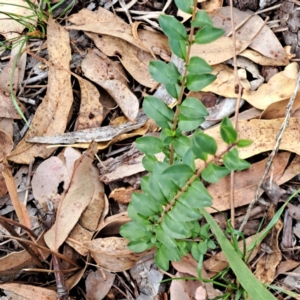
<point>52,114</point>
<point>134,59</point>
<point>220,50</point>
<point>265,42</point>
<point>105,22</point>
<point>112,79</point>
<point>6,144</point>
<point>113,254</point>
<point>29,291</point>
<point>279,87</point>
<point>111,225</point>
<point>91,110</point>
<point>76,199</point>
<point>211,5</point>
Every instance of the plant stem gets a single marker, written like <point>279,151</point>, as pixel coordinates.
<point>182,87</point>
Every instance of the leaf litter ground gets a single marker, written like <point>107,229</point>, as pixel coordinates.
<point>85,81</point>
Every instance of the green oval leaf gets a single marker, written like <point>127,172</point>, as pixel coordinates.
<point>208,34</point>
<point>202,142</point>
<point>140,246</point>
<point>172,28</point>
<point>244,143</point>
<point>163,73</point>
<point>135,231</point>
<point>148,162</point>
<point>178,47</point>
<point>181,145</point>
<point>193,108</point>
<point>196,82</point>
<point>198,65</point>
<point>157,110</point>
<point>173,90</point>
<point>233,162</point>
<point>164,238</point>
<point>202,19</point>
<point>213,173</point>
<point>149,145</point>
<point>187,124</point>
<point>227,131</point>
<point>145,205</point>
<point>161,261</point>
<point>185,5</point>
<point>179,174</point>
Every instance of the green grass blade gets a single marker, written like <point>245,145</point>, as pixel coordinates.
<point>250,283</point>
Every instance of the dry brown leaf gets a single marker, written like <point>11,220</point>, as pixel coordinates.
<point>112,78</point>
<point>105,22</point>
<point>134,59</point>
<point>52,177</point>
<point>3,188</point>
<point>263,60</point>
<point>123,194</point>
<point>265,132</point>
<point>218,262</point>
<point>51,116</point>
<point>8,110</point>
<point>211,5</point>
<point>113,254</point>
<point>218,51</point>
<point>245,183</point>
<point>19,207</point>
<point>190,266</point>
<point>91,110</point>
<point>98,284</point>
<point>111,225</point>
<point>279,87</point>
<point>277,109</point>
<point>267,264</point>
<point>286,266</point>
<point>6,144</point>
<point>265,42</point>
<point>29,291</point>
<point>76,199</point>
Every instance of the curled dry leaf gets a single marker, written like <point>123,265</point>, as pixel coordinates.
<point>134,59</point>
<point>112,78</point>
<point>52,114</point>
<point>279,87</point>
<point>6,144</point>
<point>29,291</point>
<point>105,22</point>
<point>211,5</point>
<point>263,60</point>
<point>265,42</point>
<point>111,225</point>
<point>91,110</point>
<point>76,199</point>
<point>98,284</point>
<point>113,254</point>
<point>220,50</point>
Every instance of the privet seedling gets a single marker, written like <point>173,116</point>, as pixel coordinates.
<point>166,214</point>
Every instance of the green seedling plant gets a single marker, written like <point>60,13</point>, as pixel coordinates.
<point>35,25</point>
<point>166,213</point>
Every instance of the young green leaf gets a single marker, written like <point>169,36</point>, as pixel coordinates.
<point>175,229</point>
<point>157,110</point>
<point>161,261</point>
<point>181,145</point>
<point>202,247</point>
<point>185,5</point>
<point>179,174</point>
<point>233,162</point>
<point>135,231</point>
<point>173,90</point>
<point>196,83</point>
<point>149,145</point>
<point>172,253</point>
<point>145,205</point>
<point>193,108</point>
<point>227,131</point>
<point>198,65</point>
<point>140,245</point>
<point>202,19</point>
<point>189,159</point>
<point>196,196</point>
<point>190,214</point>
<point>213,173</point>
<point>136,217</point>
<point>164,238</point>
<point>172,28</point>
<point>178,47</point>
<point>202,142</point>
<point>189,124</point>
<point>208,34</point>
<point>148,162</point>
<point>163,73</point>
<point>243,143</point>
<point>195,251</point>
